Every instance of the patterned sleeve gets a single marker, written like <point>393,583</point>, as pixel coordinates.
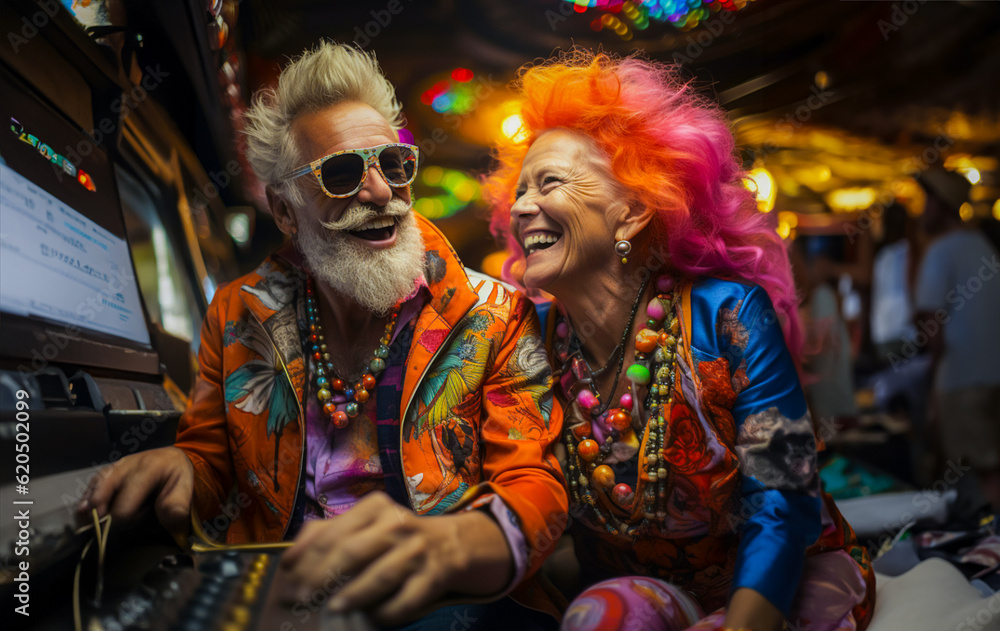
<point>510,525</point>
<point>776,446</point>
<point>519,429</point>
<point>201,432</point>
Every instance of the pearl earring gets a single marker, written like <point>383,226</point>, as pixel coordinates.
<point>622,249</point>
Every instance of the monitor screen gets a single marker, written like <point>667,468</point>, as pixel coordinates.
<point>64,260</point>
<point>56,263</point>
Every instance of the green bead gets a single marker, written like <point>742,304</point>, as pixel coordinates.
<point>351,409</point>
<point>377,365</point>
<point>638,373</point>
<point>382,352</point>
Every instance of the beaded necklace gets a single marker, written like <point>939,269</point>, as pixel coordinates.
<point>325,387</point>
<point>588,476</point>
<point>590,400</point>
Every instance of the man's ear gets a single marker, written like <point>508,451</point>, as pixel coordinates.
<point>282,212</point>
<point>633,219</point>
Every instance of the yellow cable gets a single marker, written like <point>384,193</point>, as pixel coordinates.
<point>101,550</point>
<point>77,617</point>
<point>205,543</point>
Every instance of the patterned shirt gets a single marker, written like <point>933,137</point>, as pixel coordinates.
<point>342,465</point>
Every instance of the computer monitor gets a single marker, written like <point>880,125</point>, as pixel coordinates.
<point>68,289</point>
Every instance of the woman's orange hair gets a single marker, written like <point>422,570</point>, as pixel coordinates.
<point>672,149</point>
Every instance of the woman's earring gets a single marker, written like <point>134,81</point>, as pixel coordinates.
<point>622,249</point>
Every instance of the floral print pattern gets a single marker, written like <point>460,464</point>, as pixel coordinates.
<point>729,456</point>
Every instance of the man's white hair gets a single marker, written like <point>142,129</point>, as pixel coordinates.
<point>321,77</point>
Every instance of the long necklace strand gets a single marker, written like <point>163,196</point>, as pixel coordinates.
<point>587,473</point>
<point>599,408</point>
<point>327,381</point>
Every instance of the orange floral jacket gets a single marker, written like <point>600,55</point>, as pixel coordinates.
<point>476,367</point>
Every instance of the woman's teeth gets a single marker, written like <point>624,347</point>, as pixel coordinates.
<point>539,242</point>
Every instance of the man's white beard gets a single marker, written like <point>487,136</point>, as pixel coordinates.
<point>376,279</point>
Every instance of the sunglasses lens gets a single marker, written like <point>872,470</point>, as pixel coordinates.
<point>343,173</point>
<point>398,164</point>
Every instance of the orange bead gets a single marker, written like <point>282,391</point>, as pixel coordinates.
<point>338,384</point>
<point>588,449</point>
<point>340,419</point>
<point>583,430</point>
<point>361,396</point>
<point>620,420</point>
<point>603,477</point>
<point>329,408</point>
<point>645,341</point>
<point>368,382</point>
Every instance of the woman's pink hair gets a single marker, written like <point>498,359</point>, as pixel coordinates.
<point>672,149</point>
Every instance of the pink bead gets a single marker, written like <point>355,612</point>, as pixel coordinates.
<point>655,310</point>
<point>664,284</point>
<point>586,399</point>
<point>623,495</point>
<point>562,330</point>
<point>600,431</point>
<point>626,401</point>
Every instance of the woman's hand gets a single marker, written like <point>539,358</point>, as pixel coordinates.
<point>748,609</point>
<point>382,558</point>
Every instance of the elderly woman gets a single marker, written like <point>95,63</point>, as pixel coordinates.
<point>689,452</point>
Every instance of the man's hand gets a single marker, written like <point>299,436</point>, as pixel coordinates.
<point>123,488</point>
<point>382,558</point>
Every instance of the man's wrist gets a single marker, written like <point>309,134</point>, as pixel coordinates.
<point>489,565</point>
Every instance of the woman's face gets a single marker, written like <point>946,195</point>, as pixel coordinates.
<point>566,212</point>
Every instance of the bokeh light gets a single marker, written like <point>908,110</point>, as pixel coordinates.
<point>513,128</point>
<point>761,183</point>
<point>458,190</point>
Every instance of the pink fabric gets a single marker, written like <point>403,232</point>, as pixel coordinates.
<point>831,585</point>
<point>631,603</point>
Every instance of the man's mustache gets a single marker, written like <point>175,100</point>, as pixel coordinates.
<point>359,214</point>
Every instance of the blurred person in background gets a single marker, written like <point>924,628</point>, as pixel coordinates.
<point>958,318</point>
<point>828,375</point>
<point>892,279</point>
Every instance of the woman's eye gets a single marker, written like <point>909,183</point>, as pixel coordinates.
<point>549,181</point>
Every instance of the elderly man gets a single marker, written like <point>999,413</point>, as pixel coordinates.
<point>360,370</point>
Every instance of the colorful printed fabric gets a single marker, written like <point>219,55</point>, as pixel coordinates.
<point>353,464</point>
<point>476,411</point>
<point>744,506</point>
<point>343,465</point>
<point>630,604</point>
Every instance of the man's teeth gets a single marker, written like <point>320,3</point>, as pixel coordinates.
<point>375,224</point>
<point>539,239</point>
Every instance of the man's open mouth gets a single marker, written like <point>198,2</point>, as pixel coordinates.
<point>539,241</point>
<point>378,229</point>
